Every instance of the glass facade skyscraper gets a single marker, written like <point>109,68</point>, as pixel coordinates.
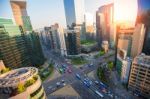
<point>31,38</point>
<point>74,11</point>
<point>13,50</point>
<point>144,17</point>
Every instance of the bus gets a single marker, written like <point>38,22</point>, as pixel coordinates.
<point>98,93</point>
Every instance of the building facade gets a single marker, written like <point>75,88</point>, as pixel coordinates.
<point>138,40</point>
<point>53,38</point>
<point>72,39</point>
<point>124,45</point>
<point>139,80</point>
<point>13,50</point>
<point>126,67</point>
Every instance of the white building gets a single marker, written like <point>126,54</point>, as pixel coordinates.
<point>105,46</point>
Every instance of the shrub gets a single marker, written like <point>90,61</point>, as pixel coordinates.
<point>29,82</point>
<point>5,70</point>
<point>20,88</point>
<point>110,65</point>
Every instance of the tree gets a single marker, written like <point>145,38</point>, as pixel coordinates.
<point>110,65</point>
<point>101,53</point>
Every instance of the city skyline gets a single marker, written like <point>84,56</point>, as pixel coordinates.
<point>75,49</point>
<point>44,7</point>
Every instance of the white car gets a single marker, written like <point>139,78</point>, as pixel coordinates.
<point>58,83</point>
<point>49,87</point>
<point>64,84</point>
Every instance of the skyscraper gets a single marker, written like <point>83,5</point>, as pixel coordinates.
<point>72,39</point>
<point>20,14</point>
<point>13,50</point>
<point>124,45</point>
<point>104,23</point>
<point>74,12</point>
<point>31,38</point>
<point>138,40</point>
<point>143,17</point>
<point>90,28</point>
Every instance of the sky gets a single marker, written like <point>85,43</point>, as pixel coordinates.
<point>47,12</point>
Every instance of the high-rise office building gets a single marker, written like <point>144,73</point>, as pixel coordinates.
<point>20,14</point>
<point>72,39</point>
<point>13,50</point>
<point>90,29</point>
<point>143,18</point>
<point>139,81</point>
<point>138,39</point>
<point>74,12</point>
<point>124,45</point>
<point>53,38</point>
<point>125,71</point>
<point>104,23</point>
<point>32,40</point>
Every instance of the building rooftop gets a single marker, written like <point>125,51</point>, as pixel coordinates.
<point>14,77</point>
<point>142,60</point>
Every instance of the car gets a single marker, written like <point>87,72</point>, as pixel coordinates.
<point>104,90</point>
<point>64,66</point>
<point>49,87</point>
<point>58,83</point>
<point>78,76</point>
<point>81,67</point>
<point>62,81</point>
<point>96,82</point>
<point>110,95</point>
<point>86,84</point>
<point>88,81</point>
<point>61,70</point>
<point>69,71</point>
<point>136,94</point>
<point>64,84</point>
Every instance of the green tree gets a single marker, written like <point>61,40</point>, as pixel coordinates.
<point>110,65</point>
<point>101,52</point>
<point>100,74</point>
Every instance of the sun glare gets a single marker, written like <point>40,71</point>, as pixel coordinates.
<point>125,10</point>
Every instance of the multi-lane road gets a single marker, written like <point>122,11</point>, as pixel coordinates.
<point>70,78</point>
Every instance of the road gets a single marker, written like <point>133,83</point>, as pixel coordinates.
<point>71,79</point>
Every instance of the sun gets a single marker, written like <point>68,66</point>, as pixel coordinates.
<point>125,10</point>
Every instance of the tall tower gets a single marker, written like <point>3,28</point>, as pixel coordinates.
<point>20,14</point>
<point>74,11</point>
<point>143,17</point>
<point>104,23</point>
<point>32,40</point>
